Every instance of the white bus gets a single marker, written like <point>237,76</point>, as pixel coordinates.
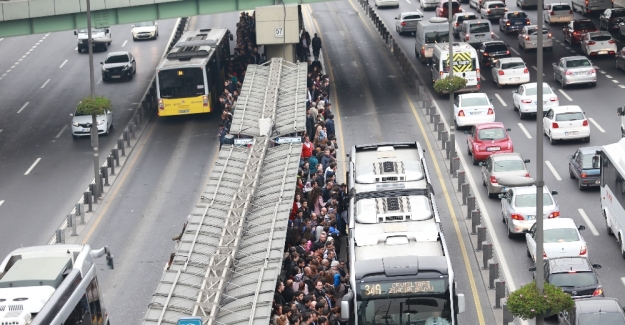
<point>52,285</point>
<point>613,189</point>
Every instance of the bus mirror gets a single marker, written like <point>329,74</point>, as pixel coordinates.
<point>595,162</point>
<point>346,306</point>
<point>109,262</point>
<point>619,111</point>
<point>75,33</point>
<point>461,303</point>
<point>107,31</point>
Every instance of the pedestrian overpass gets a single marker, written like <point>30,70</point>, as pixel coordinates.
<point>23,17</point>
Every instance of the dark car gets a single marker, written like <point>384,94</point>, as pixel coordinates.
<point>611,18</point>
<point>513,21</point>
<point>492,51</point>
<point>581,167</point>
<point>575,30</point>
<point>594,311</point>
<point>574,275</point>
<point>118,65</point>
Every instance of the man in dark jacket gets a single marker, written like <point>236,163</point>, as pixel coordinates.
<point>316,45</point>
<point>310,124</point>
<point>330,125</point>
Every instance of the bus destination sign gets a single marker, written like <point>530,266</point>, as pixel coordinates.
<point>400,288</point>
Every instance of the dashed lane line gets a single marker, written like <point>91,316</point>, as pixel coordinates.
<point>615,81</point>
<point>515,51</point>
<point>32,166</point>
<point>588,222</point>
<point>566,95</point>
<point>603,72</point>
<point>21,109</point>
<point>482,76</point>
<point>553,170</point>
<point>592,120</point>
<point>535,68</point>
<point>1,201</point>
<point>527,134</point>
<point>608,76</point>
<point>62,64</point>
<point>1,39</point>
<point>126,41</point>
<point>622,86</point>
<point>45,83</point>
<point>61,132</point>
<point>500,100</point>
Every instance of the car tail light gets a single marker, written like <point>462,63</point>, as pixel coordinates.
<point>205,100</point>
<point>549,35</point>
<point>585,123</point>
<point>552,13</point>
<point>507,52</point>
<point>493,180</point>
<point>568,73</point>
<point>527,175</point>
<point>592,43</point>
<point>461,113</point>
<point>526,101</point>
<point>485,53</point>
<point>544,254</point>
<point>582,250</point>
<point>507,23</point>
<point>501,73</point>
<point>554,125</point>
<point>583,175</point>
<point>457,24</point>
<point>509,146</point>
<point>492,35</point>
<point>554,214</point>
<point>611,41</point>
<point>598,291</point>
<point>488,11</point>
<point>423,50</point>
<point>490,111</point>
<point>570,12</point>
<point>527,37</point>
<point>403,23</point>
<point>592,71</point>
<point>526,70</point>
<point>466,37</point>
<point>553,99</point>
<point>516,216</point>
<point>527,22</point>
<point>161,105</point>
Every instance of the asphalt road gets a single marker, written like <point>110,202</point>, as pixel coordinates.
<point>599,103</point>
<point>43,77</point>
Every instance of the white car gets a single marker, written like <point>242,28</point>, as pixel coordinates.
<point>386,3</point>
<point>558,12</point>
<point>510,71</point>
<point>598,43</point>
<point>561,238</point>
<point>528,38</point>
<point>144,30</point>
<point>524,99</point>
<point>81,123</point>
<point>566,123</point>
<point>472,109</point>
<point>425,4</point>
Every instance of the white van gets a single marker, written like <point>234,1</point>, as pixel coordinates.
<point>476,31</point>
<point>430,33</point>
<point>590,6</point>
<point>466,64</point>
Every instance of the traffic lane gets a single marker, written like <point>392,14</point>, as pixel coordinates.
<point>355,78</point>
<point>150,206</point>
<point>13,48</point>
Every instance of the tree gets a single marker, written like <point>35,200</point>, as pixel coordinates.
<point>449,84</point>
<point>94,106</point>
<point>526,302</point>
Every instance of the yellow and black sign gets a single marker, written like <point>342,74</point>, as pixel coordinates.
<point>462,62</point>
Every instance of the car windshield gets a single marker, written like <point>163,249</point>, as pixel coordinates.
<point>513,65</point>
<point>144,24</point>
<point>578,63</point>
<point>412,17</point>
<point>517,15</point>
<point>529,200</point>
<point>601,37</point>
<point>117,59</point>
<point>496,48</point>
<point>479,28</point>
<point>587,161</point>
<point>436,37</point>
<point>561,8</point>
<point>573,279</point>
<point>602,317</point>
<point>572,116</point>
<point>474,101</point>
<point>508,165</point>
<point>531,91</point>
<point>584,25</point>
<point>562,235</point>
<point>492,134</point>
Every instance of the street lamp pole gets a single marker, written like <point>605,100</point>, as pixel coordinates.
<point>450,66</point>
<point>540,277</point>
<point>94,119</point>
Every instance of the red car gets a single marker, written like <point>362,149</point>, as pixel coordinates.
<point>575,30</point>
<point>486,139</point>
<point>443,6</point>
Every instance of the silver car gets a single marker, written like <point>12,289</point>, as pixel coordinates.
<point>518,207</point>
<point>406,22</point>
<point>574,70</point>
<point>81,123</point>
<point>497,167</point>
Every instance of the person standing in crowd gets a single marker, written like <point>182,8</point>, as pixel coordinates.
<point>316,45</point>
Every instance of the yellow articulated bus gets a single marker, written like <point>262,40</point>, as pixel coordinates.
<point>190,77</point>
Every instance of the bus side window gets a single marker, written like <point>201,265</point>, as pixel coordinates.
<point>80,315</point>
<point>95,307</point>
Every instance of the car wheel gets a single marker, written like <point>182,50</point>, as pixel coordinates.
<point>593,84</point>
<point>503,218</point>
<point>529,254</point>
<point>490,195</point>
<point>551,140</point>
<point>562,84</point>
<point>483,180</point>
<point>498,84</point>
<point>509,233</point>
<point>571,174</point>
<point>134,39</point>
<point>475,161</point>
<point>468,151</point>
<point>616,65</point>
<point>622,250</point>
<point>587,139</point>
<point>521,115</point>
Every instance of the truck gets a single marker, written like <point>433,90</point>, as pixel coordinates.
<point>400,270</point>
<point>100,39</point>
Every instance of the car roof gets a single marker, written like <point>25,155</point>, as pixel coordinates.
<point>495,1</point>
<point>528,189</point>
<point>600,33</point>
<point>574,57</point>
<point>567,108</point>
<point>534,84</point>
<point>494,43</point>
<point>465,14</point>
<point>589,150</point>
<point>118,53</point>
<point>566,264</point>
<point>489,125</point>
<point>411,13</point>
<point>472,95</point>
<point>506,156</point>
<point>597,304</point>
<point>511,59</point>
<point>557,223</point>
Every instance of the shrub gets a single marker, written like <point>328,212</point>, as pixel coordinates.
<point>527,303</point>
<point>449,84</point>
<point>94,106</point>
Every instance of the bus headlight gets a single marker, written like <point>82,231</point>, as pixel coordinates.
<point>205,100</point>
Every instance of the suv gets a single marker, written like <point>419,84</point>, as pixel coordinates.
<point>100,38</point>
<point>574,31</point>
<point>492,51</point>
<point>574,275</point>
<point>118,65</point>
<point>593,311</point>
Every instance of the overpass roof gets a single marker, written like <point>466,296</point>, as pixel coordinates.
<point>276,91</point>
<point>229,257</point>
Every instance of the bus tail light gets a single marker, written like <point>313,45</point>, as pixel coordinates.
<point>507,23</point>
<point>527,37</point>
<point>422,50</point>
<point>466,37</point>
<point>516,216</point>
<point>161,105</point>
<point>492,35</point>
<point>205,100</point>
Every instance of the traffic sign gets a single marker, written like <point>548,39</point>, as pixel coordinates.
<point>190,321</point>
<point>279,33</point>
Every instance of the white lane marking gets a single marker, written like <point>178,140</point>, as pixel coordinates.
<point>406,1</point>
<point>497,36</point>
<point>33,166</point>
<point>565,95</point>
<point>608,76</point>
<point>48,34</point>
<point>602,72</point>
<point>21,109</point>
<point>76,49</point>
<point>515,51</point>
<point>615,81</point>
<point>623,280</point>
<point>62,64</point>
<point>0,130</point>
<point>592,120</point>
<point>8,70</point>
<point>482,76</point>
<point>61,132</point>
<point>1,39</point>
<point>1,201</point>
<point>45,83</point>
<point>527,134</point>
<point>99,81</point>
<point>126,41</point>
<point>23,56</point>
<point>18,61</point>
<point>553,170</point>
<point>566,47</point>
<point>535,68</point>
<point>622,86</point>
<point>500,100</point>
<point>588,223</point>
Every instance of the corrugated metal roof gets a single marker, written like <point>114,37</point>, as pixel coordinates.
<point>275,90</point>
<point>226,266</point>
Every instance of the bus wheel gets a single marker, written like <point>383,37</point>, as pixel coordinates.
<point>607,226</point>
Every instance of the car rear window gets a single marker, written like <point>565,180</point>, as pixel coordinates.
<point>117,59</point>
<point>479,28</point>
<point>513,65</point>
<point>534,31</point>
<point>412,17</point>
<point>492,134</point>
<point>573,279</point>
<point>529,200</point>
<point>474,101</point>
<point>562,235</point>
<point>516,15</point>
<point>602,318</point>
<point>454,5</point>
<point>463,18</point>
<point>508,165</point>
<point>561,8</point>
<point>587,161</point>
<point>436,37</point>
<point>532,91</point>
<point>496,5</point>
<point>584,25</point>
<point>496,48</point>
<point>570,116</point>
<point>578,63</point>
<point>601,38</point>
